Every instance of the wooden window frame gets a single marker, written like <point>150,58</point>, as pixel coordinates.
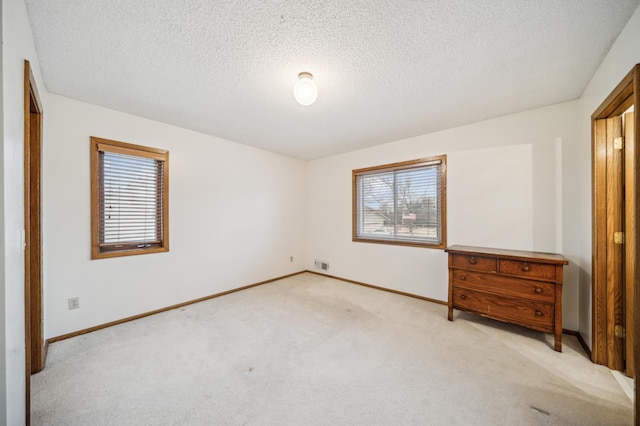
<point>98,250</point>
<point>405,165</point>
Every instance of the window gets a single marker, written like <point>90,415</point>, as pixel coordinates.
<point>401,203</point>
<point>129,199</point>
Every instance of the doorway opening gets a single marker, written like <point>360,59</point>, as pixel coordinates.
<point>616,231</point>
<point>34,338</point>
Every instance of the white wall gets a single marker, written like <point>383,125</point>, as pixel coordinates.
<point>623,55</point>
<point>236,216</point>
<point>17,46</point>
<point>503,189</point>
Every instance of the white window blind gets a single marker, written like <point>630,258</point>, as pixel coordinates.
<point>131,195</point>
<point>402,203</point>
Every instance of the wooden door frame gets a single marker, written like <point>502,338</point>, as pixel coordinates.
<point>626,93</point>
<point>33,324</point>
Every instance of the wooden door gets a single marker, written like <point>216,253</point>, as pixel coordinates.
<point>609,236</point>
<point>615,240</point>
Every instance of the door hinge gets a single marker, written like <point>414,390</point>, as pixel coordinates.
<point>620,331</point>
<point>618,237</point>
<point>618,143</point>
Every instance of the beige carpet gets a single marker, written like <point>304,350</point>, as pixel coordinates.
<point>309,350</point>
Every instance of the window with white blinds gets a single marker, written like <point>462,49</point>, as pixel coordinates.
<point>401,203</point>
<point>130,199</point>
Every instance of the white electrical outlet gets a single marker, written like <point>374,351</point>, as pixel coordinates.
<point>74,303</point>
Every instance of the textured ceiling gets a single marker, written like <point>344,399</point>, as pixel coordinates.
<point>385,69</point>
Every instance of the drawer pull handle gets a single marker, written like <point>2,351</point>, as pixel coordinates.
<point>473,261</point>
<point>538,313</point>
<point>526,268</point>
<point>463,277</point>
<point>463,296</point>
<point>538,290</point>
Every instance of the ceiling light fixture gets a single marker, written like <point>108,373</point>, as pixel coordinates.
<point>305,90</point>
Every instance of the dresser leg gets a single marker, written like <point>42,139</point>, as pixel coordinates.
<point>557,344</point>
<point>450,313</point>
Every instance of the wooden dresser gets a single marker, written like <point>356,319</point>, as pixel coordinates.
<point>518,287</point>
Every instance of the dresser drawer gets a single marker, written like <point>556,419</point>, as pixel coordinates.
<point>527,269</point>
<point>477,263</point>
<point>528,313</point>
<point>507,286</point>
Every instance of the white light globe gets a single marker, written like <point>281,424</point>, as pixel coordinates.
<point>305,90</point>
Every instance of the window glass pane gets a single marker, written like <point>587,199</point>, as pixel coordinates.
<point>417,203</point>
<point>377,204</point>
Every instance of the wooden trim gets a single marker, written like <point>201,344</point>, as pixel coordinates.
<point>599,244</point>
<point>636,265</point>
<point>443,190</point>
<point>133,150</point>
<point>27,277</point>
<point>165,309</point>
<point>636,283</point>
<point>400,243</point>
<point>99,144</point>
<point>128,148</point>
<point>375,287</point>
<point>131,252</point>
<point>617,98</point>
<point>95,199</point>
<point>630,232</point>
<point>404,165</point>
<point>577,334</point>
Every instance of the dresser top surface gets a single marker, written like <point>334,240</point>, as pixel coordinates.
<point>533,256</point>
